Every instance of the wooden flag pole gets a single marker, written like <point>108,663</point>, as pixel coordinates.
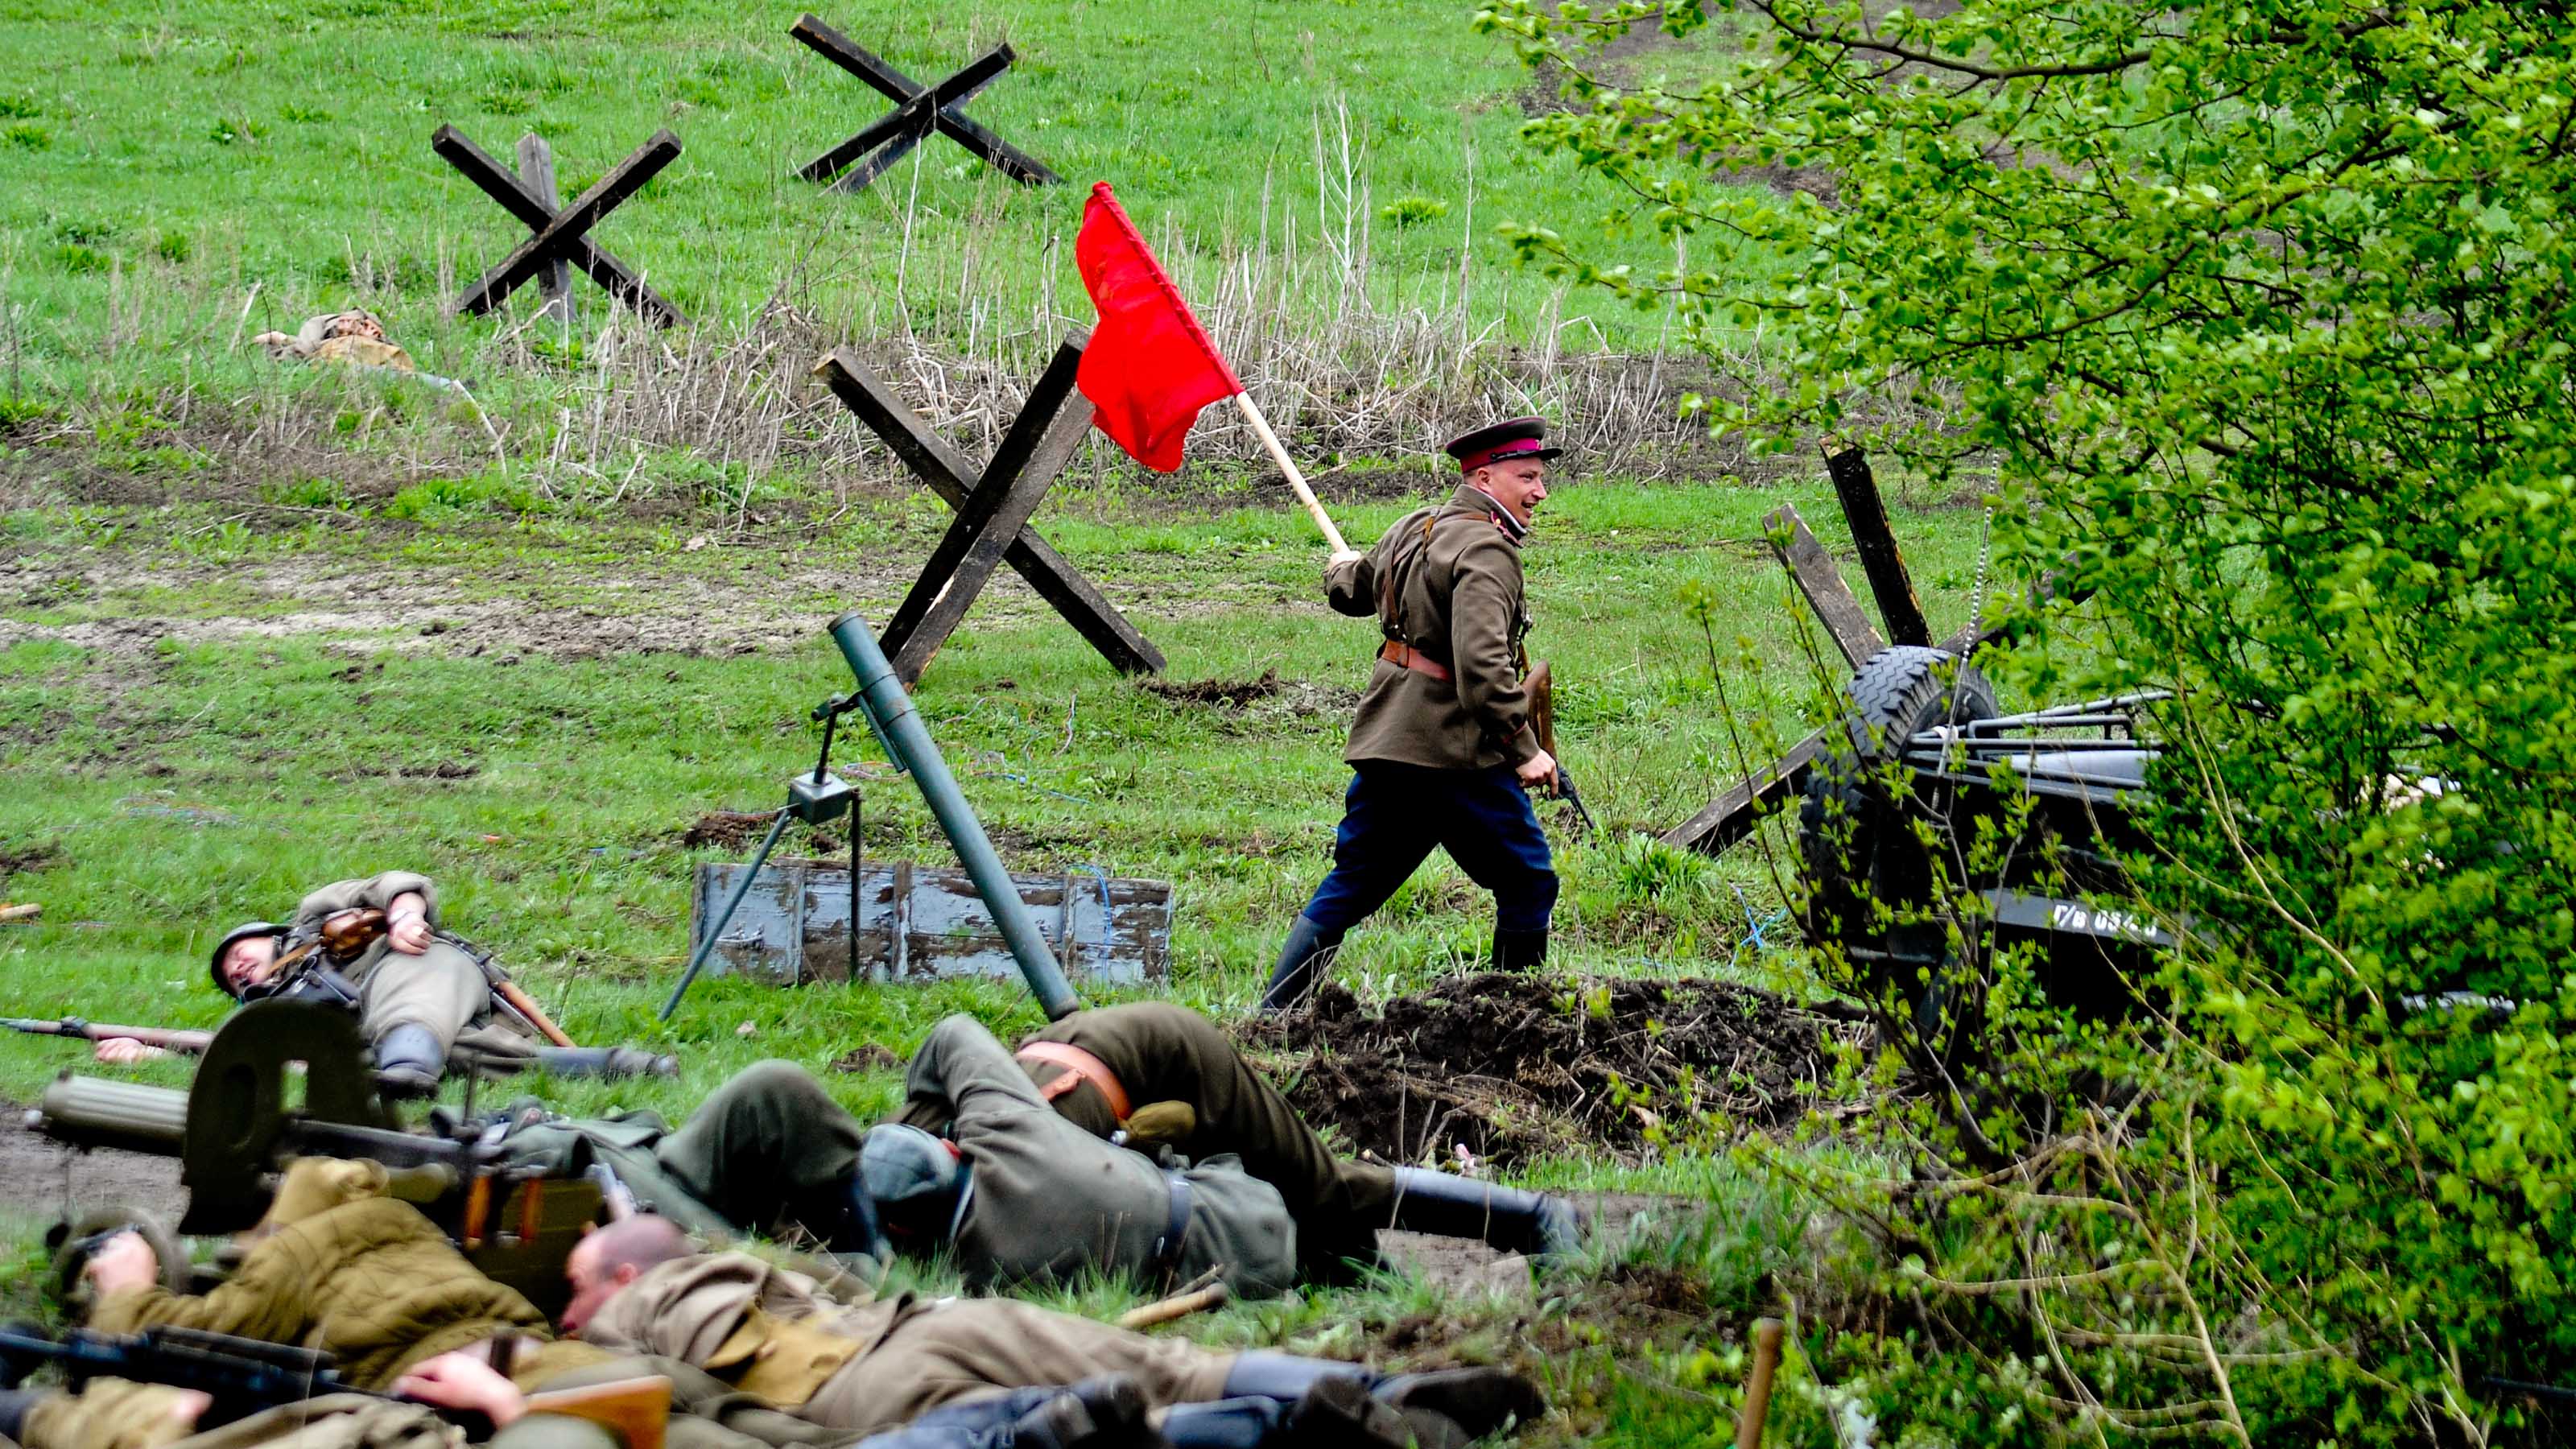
<point>1288,466</point>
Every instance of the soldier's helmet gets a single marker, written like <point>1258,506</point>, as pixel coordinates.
<point>242,932</point>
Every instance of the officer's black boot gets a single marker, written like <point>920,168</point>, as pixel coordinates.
<point>1307,956</point>
<point>1441,1410</point>
<point>1519,950</point>
<point>1540,1224</point>
<point>409,1061</point>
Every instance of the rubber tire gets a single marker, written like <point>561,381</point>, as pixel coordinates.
<point>1897,693</point>
<point>166,1248</point>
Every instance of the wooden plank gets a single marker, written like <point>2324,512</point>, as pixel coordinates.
<point>1875,538</point>
<point>1812,569</point>
<point>906,125</point>
<point>950,475</point>
<point>1731,816</point>
<point>894,85</point>
<point>1041,441</point>
<point>537,170</point>
<point>504,186</point>
<point>628,177</point>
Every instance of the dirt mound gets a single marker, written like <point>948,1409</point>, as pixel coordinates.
<point>1515,1066</point>
<point>731,829</point>
<point>1236,692</point>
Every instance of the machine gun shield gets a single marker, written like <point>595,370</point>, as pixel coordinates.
<point>237,1106</point>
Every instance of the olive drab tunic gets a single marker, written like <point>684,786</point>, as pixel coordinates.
<point>443,988</point>
<point>880,1362</point>
<point>1048,1201</point>
<point>1446,581</point>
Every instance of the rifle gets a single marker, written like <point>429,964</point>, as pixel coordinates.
<point>246,1376</point>
<point>1542,702</point>
<point>167,1038</point>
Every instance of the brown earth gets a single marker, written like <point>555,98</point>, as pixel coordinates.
<point>1509,1067</point>
<point>43,1179</point>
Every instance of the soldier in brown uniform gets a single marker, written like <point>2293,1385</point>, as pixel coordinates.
<point>1018,1194</point>
<point>339,1266</point>
<point>1164,1073</point>
<point>867,1366</point>
<point>419,995</point>
<point>1442,752</point>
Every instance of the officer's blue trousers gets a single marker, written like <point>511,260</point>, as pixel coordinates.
<point>1394,815</point>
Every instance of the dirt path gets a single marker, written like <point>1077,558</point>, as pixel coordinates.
<point>44,1180</point>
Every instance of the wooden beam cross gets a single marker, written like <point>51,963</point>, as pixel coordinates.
<point>919,110</point>
<point>558,240</point>
<point>993,510</point>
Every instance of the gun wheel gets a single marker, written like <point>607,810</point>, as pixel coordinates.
<point>64,1240</point>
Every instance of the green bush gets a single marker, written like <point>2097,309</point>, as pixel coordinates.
<point>2261,314</point>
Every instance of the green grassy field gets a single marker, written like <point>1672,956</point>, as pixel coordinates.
<point>263,626</point>
<point>215,720</point>
<point>187,153</point>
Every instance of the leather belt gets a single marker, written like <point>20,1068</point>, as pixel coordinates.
<point>1403,655</point>
<point>1167,1248</point>
<point>1079,1066</point>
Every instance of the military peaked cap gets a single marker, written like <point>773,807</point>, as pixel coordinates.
<point>1501,442</point>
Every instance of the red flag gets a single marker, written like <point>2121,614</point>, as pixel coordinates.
<point>1149,368</point>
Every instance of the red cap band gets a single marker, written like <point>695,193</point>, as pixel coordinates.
<point>1501,452</point>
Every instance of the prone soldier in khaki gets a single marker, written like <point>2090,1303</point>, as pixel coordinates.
<point>420,995</point>
<point>1442,752</point>
<point>1019,1194</point>
<point>640,1289</point>
<point>1165,1074</point>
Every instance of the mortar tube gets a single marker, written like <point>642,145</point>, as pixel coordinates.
<point>889,705</point>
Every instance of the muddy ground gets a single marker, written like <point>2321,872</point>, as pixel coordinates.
<point>1510,1067</point>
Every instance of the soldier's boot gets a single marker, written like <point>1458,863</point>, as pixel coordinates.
<point>1520,950</point>
<point>1108,1412</point>
<point>1540,1224</point>
<point>409,1061</point>
<point>1443,1410</point>
<point>842,1215</point>
<point>616,1061</point>
<point>1307,955</point>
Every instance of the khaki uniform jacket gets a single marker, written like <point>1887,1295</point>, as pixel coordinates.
<point>372,1281</point>
<point>690,1309</point>
<point>1048,1200</point>
<point>377,891</point>
<point>1445,580</point>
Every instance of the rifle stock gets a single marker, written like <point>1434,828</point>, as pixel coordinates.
<point>638,1411</point>
<point>1541,684</point>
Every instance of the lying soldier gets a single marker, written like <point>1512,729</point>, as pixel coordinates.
<point>422,997</point>
<point>639,1288</point>
<point>1018,1194</point>
<point>771,1152</point>
<point>338,1266</point>
<point>1162,1073</point>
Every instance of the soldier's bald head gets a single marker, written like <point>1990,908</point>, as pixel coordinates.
<point>643,1241</point>
<point>612,1257</point>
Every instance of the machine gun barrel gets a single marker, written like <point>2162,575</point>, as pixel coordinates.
<point>95,1112</point>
